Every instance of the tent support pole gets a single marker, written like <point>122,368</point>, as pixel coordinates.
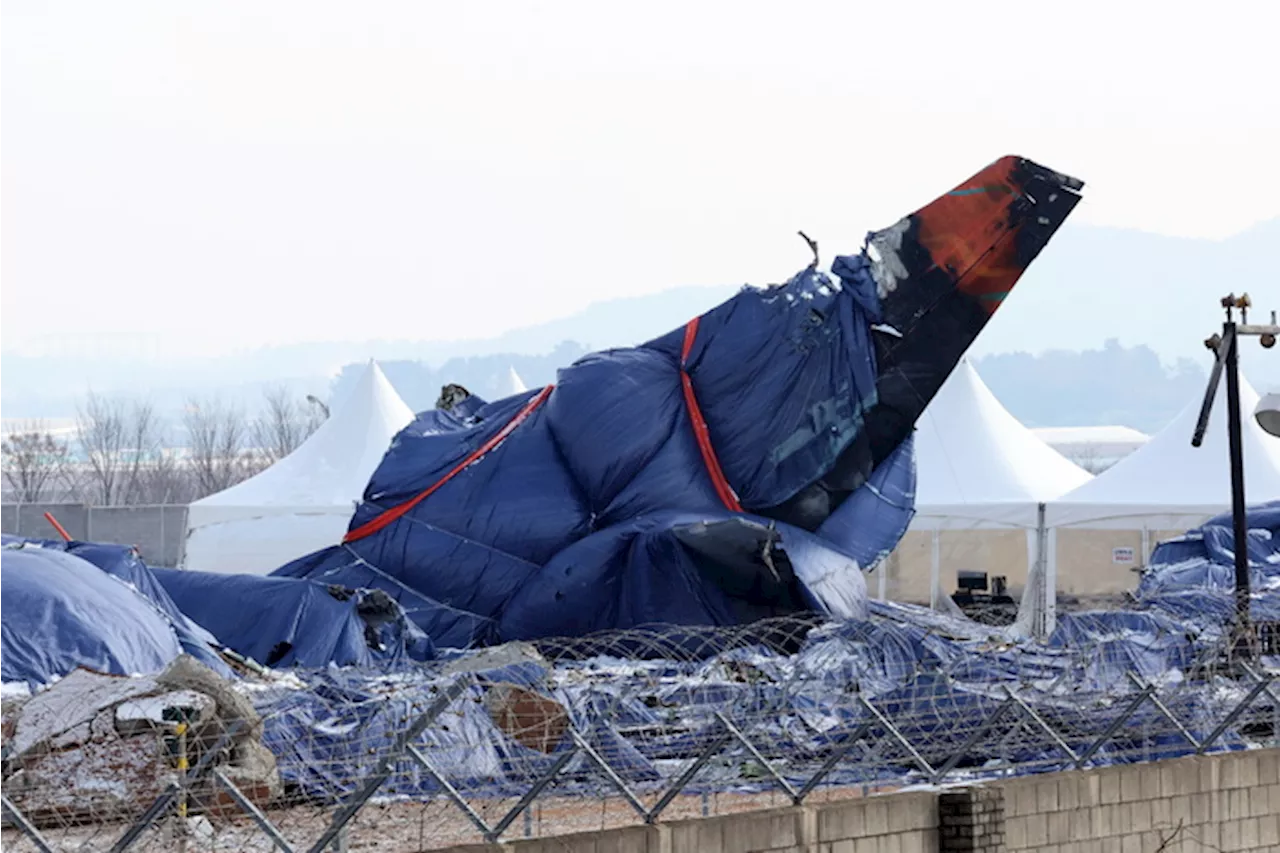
<point>1048,571</point>
<point>935,571</point>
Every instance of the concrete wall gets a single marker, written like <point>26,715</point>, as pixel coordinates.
<point>996,552</point>
<point>1227,803</point>
<point>157,531</point>
<point>901,823</point>
<point>1084,560</point>
<point>1224,803</point>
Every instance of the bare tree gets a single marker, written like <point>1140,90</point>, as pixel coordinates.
<point>144,436</point>
<point>165,480</point>
<point>285,422</point>
<point>216,435</point>
<point>100,431</point>
<point>118,440</point>
<point>34,461</point>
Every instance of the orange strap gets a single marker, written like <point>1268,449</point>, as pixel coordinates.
<point>384,518</point>
<point>700,430</point>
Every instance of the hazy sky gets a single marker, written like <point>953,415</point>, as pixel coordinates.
<point>219,175</point>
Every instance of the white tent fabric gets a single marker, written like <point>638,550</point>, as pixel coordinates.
<point>305,501</point>
<point>978,466</point>
<point>515,385</point>
<point>1170,485</point>
<point>979,469</point>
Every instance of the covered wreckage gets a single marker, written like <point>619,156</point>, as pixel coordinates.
<point>69,605</point>
<point>750,464</point>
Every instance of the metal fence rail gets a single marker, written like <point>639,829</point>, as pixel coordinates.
<point>639,727</point>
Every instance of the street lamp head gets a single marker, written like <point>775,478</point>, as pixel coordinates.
<point>1268,413</point>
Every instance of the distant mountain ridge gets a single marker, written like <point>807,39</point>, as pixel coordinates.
<point>1090,286</point>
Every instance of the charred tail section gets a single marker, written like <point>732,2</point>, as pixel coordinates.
<point>940,273</point>
<point>943,271</point>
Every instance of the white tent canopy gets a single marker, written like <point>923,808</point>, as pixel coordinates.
<point>305,501</point>
<point>1169,485</point>
<point>978,466</point>
<point>514,384</point>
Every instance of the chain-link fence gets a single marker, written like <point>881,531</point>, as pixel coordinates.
<point>576,735</point>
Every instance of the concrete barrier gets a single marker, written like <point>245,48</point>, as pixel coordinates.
<point>1225,803</point>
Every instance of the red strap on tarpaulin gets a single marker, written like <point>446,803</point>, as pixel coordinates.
<point>700,430</point>
<point>384,518</point>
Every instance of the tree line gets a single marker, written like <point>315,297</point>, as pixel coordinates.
<point>124,453</point>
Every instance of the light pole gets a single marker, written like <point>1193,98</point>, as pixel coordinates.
<point>1227,356</point>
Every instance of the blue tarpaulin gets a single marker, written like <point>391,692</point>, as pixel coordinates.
<point>1192,577</point>
<point>62,612</point>
<point>283,622</point>
<point>571,523</point>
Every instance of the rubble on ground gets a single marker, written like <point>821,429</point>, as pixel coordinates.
<point>95,747</point>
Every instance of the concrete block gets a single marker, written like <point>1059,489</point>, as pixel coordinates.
<point>1047,796</point>
<point>1131,784</point>
<point>877,817</point>
<point>1269,767</point>
<point>1068,794</point>
<point>1131,843</point>
<point>1181,779</point>
<point>1139,816</point>
<point>1201,808</point>
<point>1250,833</point>
<point>759,831</point>
<point>1237,803</point>
<point>1257,801</point>
<point>1020,798</point>
<point>1149,784</point>
<point>632,839</point>
<point>706,834</point>
<point>1229,834</point>
<point>1112,845</point>
<point>913,811</point>
<point>1109,786</point>
<point>1168,771</point>
<point>1275,798</point>
<point>1081,824</point>
<point>889,844</point>
<point>1037,830</point>
<point>1179,809</point>
<point>1247,767</point>
<point>1015,829</point>
<point>1269,830</point>
<point>838,821</point>
<point>918,841</point>
<point>1162,813</point>
<point>1088,788</point>
<point>866,845</point>
<point>1059,827</point>
<point>1207,772</point>
<point>1103,821</point>
<point>848,845</point>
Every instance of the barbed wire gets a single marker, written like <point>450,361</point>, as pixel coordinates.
<point>646,725</point>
